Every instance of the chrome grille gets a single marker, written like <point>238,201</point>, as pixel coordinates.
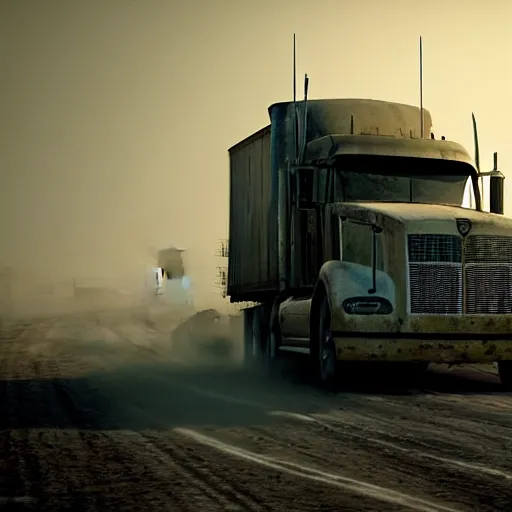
<point>436,284</point>
<point>435,274</point>
<point>488,274</point>
<point>435,249</point>
<point>435,288</point>
<point>488,249</point>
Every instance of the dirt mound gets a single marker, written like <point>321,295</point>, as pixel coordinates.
<point>206,335</point>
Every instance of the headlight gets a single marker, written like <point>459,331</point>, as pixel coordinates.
<point>367,306</point>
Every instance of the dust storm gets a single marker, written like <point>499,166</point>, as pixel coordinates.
<point>95,174</point>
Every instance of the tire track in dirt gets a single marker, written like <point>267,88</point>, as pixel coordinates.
<point>223,488</point>
<point>427,423</point>
<point>388,466</point>
<point>278,487</point>
<point>174,478</point>
<point>57,476</point>
<point>414,462</point>
<point>300,470</point>
<point>407,442</point>
<point>415,434</point>
<point>405,425</point>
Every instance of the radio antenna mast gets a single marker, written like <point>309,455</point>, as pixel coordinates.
<point>421,89</point>
<point>295,115</point>
<point>305,121</point>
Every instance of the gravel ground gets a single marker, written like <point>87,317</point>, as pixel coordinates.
<point>96,415</point>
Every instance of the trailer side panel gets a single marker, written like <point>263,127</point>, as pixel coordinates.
<point>253,222</point>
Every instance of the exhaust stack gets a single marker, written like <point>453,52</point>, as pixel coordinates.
<point>497,189</point>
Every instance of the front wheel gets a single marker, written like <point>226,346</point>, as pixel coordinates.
<point>326,361</point>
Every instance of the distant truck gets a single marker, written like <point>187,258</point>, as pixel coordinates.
<point>349,238</point>
<point>171,281</point>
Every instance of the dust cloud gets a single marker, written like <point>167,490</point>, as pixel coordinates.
<point>209,337</point>
<point>95,176</point>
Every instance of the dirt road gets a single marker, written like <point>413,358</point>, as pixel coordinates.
<point>96,416</point>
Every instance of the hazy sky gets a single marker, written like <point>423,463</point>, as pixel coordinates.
<point>116,115</point>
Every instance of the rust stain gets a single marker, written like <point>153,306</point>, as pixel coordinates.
<point>439,346</point>
<point>497,324</point>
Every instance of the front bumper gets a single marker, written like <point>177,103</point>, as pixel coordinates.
<point>461,350</point>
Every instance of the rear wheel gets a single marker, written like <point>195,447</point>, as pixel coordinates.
<point>249,348</point>
<point>254,338</point>
<point>326,362</point>
<point>505,373</point>
<point>273,358</point>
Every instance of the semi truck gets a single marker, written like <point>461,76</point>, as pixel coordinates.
<point>349,242</point>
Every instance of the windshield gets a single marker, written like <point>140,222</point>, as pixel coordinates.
<point>361,186</point>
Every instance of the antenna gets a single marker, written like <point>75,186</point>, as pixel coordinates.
<point>305,121</point>
<point>295,116</point>
<point>477,152</point>
<point>294,71</point>
<point>421,88</point>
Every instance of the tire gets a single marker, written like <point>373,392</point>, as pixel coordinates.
<point>257,336</point>
<point>248,359</point>
<point>505,373</point>
<point>327,367</point>
<point>254,332</point>
<point>272,356</point>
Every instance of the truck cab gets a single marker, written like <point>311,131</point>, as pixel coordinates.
<point>371,256</point>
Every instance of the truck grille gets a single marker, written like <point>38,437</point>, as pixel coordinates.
<point>488,274</point>
<point>435,274</point>
<point>445,269</point>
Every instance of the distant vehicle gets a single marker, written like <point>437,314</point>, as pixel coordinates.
<point>170,280</point>
<point>351,239</point>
